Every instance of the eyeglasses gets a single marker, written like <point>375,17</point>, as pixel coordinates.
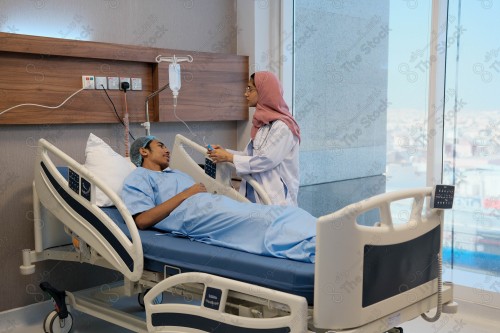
<point>249,90</point>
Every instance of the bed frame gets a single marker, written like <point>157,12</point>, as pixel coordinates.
<point>367,278</point>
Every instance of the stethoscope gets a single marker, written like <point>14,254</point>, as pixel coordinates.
<point>263,141</point>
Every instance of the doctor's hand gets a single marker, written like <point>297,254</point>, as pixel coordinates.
<point>219,154</point>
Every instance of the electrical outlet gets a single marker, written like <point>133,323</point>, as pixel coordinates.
<point>101,82</point>
<point>113,83</point>
<point>136,83</point>
<point>124,79</point>
<point>88,82</point>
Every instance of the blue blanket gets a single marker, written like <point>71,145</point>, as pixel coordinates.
<point>279,231</point>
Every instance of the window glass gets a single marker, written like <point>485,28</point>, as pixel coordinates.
<point>361,95</point>
<point>408,96</point>
<point>340,100</point>
<point>472,142</point>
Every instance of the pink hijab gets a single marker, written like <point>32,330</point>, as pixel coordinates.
<point>271,105</point>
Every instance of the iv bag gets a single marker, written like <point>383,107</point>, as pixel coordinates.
<point>174,76</point>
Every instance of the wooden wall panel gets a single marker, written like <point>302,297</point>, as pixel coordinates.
<point>36,79</point>
<point>210,89</point>
<point>46,71</point>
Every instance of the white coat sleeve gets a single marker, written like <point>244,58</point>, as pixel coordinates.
<point>236,152</point>
<point>278,144</point>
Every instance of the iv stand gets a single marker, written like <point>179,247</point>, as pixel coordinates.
<point>147,124</point>
<point>174,59</point>
<point>158,59</point>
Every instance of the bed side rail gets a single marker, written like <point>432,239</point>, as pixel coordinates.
<point>210,312</point>
<point>80,215</point>
<point>364,273</point>
<point>181,160</point>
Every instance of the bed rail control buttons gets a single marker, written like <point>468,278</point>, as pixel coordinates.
<point>79,185</point>
<point>74,181</point>
<point>212,298</point>
<point>442,197</point>
<point>86,188</point>
<point>210,168</point>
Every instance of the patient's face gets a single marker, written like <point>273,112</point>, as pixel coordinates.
<point>158,154</point>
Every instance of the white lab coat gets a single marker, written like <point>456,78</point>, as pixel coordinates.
<point>272,158</point>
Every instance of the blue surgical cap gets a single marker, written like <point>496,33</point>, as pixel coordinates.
<point>135,154</point>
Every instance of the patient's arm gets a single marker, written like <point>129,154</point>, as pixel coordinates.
<point>154,215</point>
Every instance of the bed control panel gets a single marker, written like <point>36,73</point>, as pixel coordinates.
<point>80,185</point>
<point>442,197</point>
<point>210,168</point>
<point>74,181</point>
<point>212,298</point>
<point>85,188</point>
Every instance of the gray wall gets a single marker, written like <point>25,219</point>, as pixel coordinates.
<point>340,83</point>
<point>188,25</point>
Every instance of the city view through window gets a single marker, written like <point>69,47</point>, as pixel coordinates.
<point>471,103</point>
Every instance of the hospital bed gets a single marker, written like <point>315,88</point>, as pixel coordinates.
<point>366,279</point>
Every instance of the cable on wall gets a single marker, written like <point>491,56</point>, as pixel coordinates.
<point>42,106</point>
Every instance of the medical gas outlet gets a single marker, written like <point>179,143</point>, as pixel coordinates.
<point>110,83</point>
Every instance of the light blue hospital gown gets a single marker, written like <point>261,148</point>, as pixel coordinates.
<point>279,231</point>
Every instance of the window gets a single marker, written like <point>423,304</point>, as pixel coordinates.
<point>472,142</point>
<point>361,97</point>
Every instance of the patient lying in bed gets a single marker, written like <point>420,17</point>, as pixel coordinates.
<point>171,201</point>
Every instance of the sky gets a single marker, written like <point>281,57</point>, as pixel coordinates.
<point>476,78</point>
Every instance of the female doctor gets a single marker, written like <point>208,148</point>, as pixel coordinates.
<point>272,155</point>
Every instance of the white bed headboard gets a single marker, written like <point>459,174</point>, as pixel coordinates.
<point>81,215</point>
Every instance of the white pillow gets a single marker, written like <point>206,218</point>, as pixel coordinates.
<point>107,165</point>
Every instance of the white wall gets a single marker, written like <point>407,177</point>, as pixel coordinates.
<point>207,26</point>
<point>265,30</point>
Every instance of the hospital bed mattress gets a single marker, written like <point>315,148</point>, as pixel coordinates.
<point>184,255</point>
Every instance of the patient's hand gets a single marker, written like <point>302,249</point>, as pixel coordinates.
<point>196,188</point>
<point>156,214</point>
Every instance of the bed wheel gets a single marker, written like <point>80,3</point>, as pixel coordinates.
<point>140,298</point>
<point>52,323</point>
<point>395,330</point>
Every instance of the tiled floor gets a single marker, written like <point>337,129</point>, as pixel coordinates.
<point>30,320</point>
<point>470,319</point>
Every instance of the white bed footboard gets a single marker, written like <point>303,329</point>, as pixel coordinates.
<point>364,273</point>
<point>72,206</point>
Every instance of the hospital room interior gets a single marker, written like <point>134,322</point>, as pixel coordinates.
<point>398,106</point>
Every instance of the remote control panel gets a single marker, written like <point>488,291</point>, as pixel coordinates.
<point>442,197</point>
<point>210,168</point>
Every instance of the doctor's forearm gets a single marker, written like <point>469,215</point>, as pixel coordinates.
<point>254,164</point>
